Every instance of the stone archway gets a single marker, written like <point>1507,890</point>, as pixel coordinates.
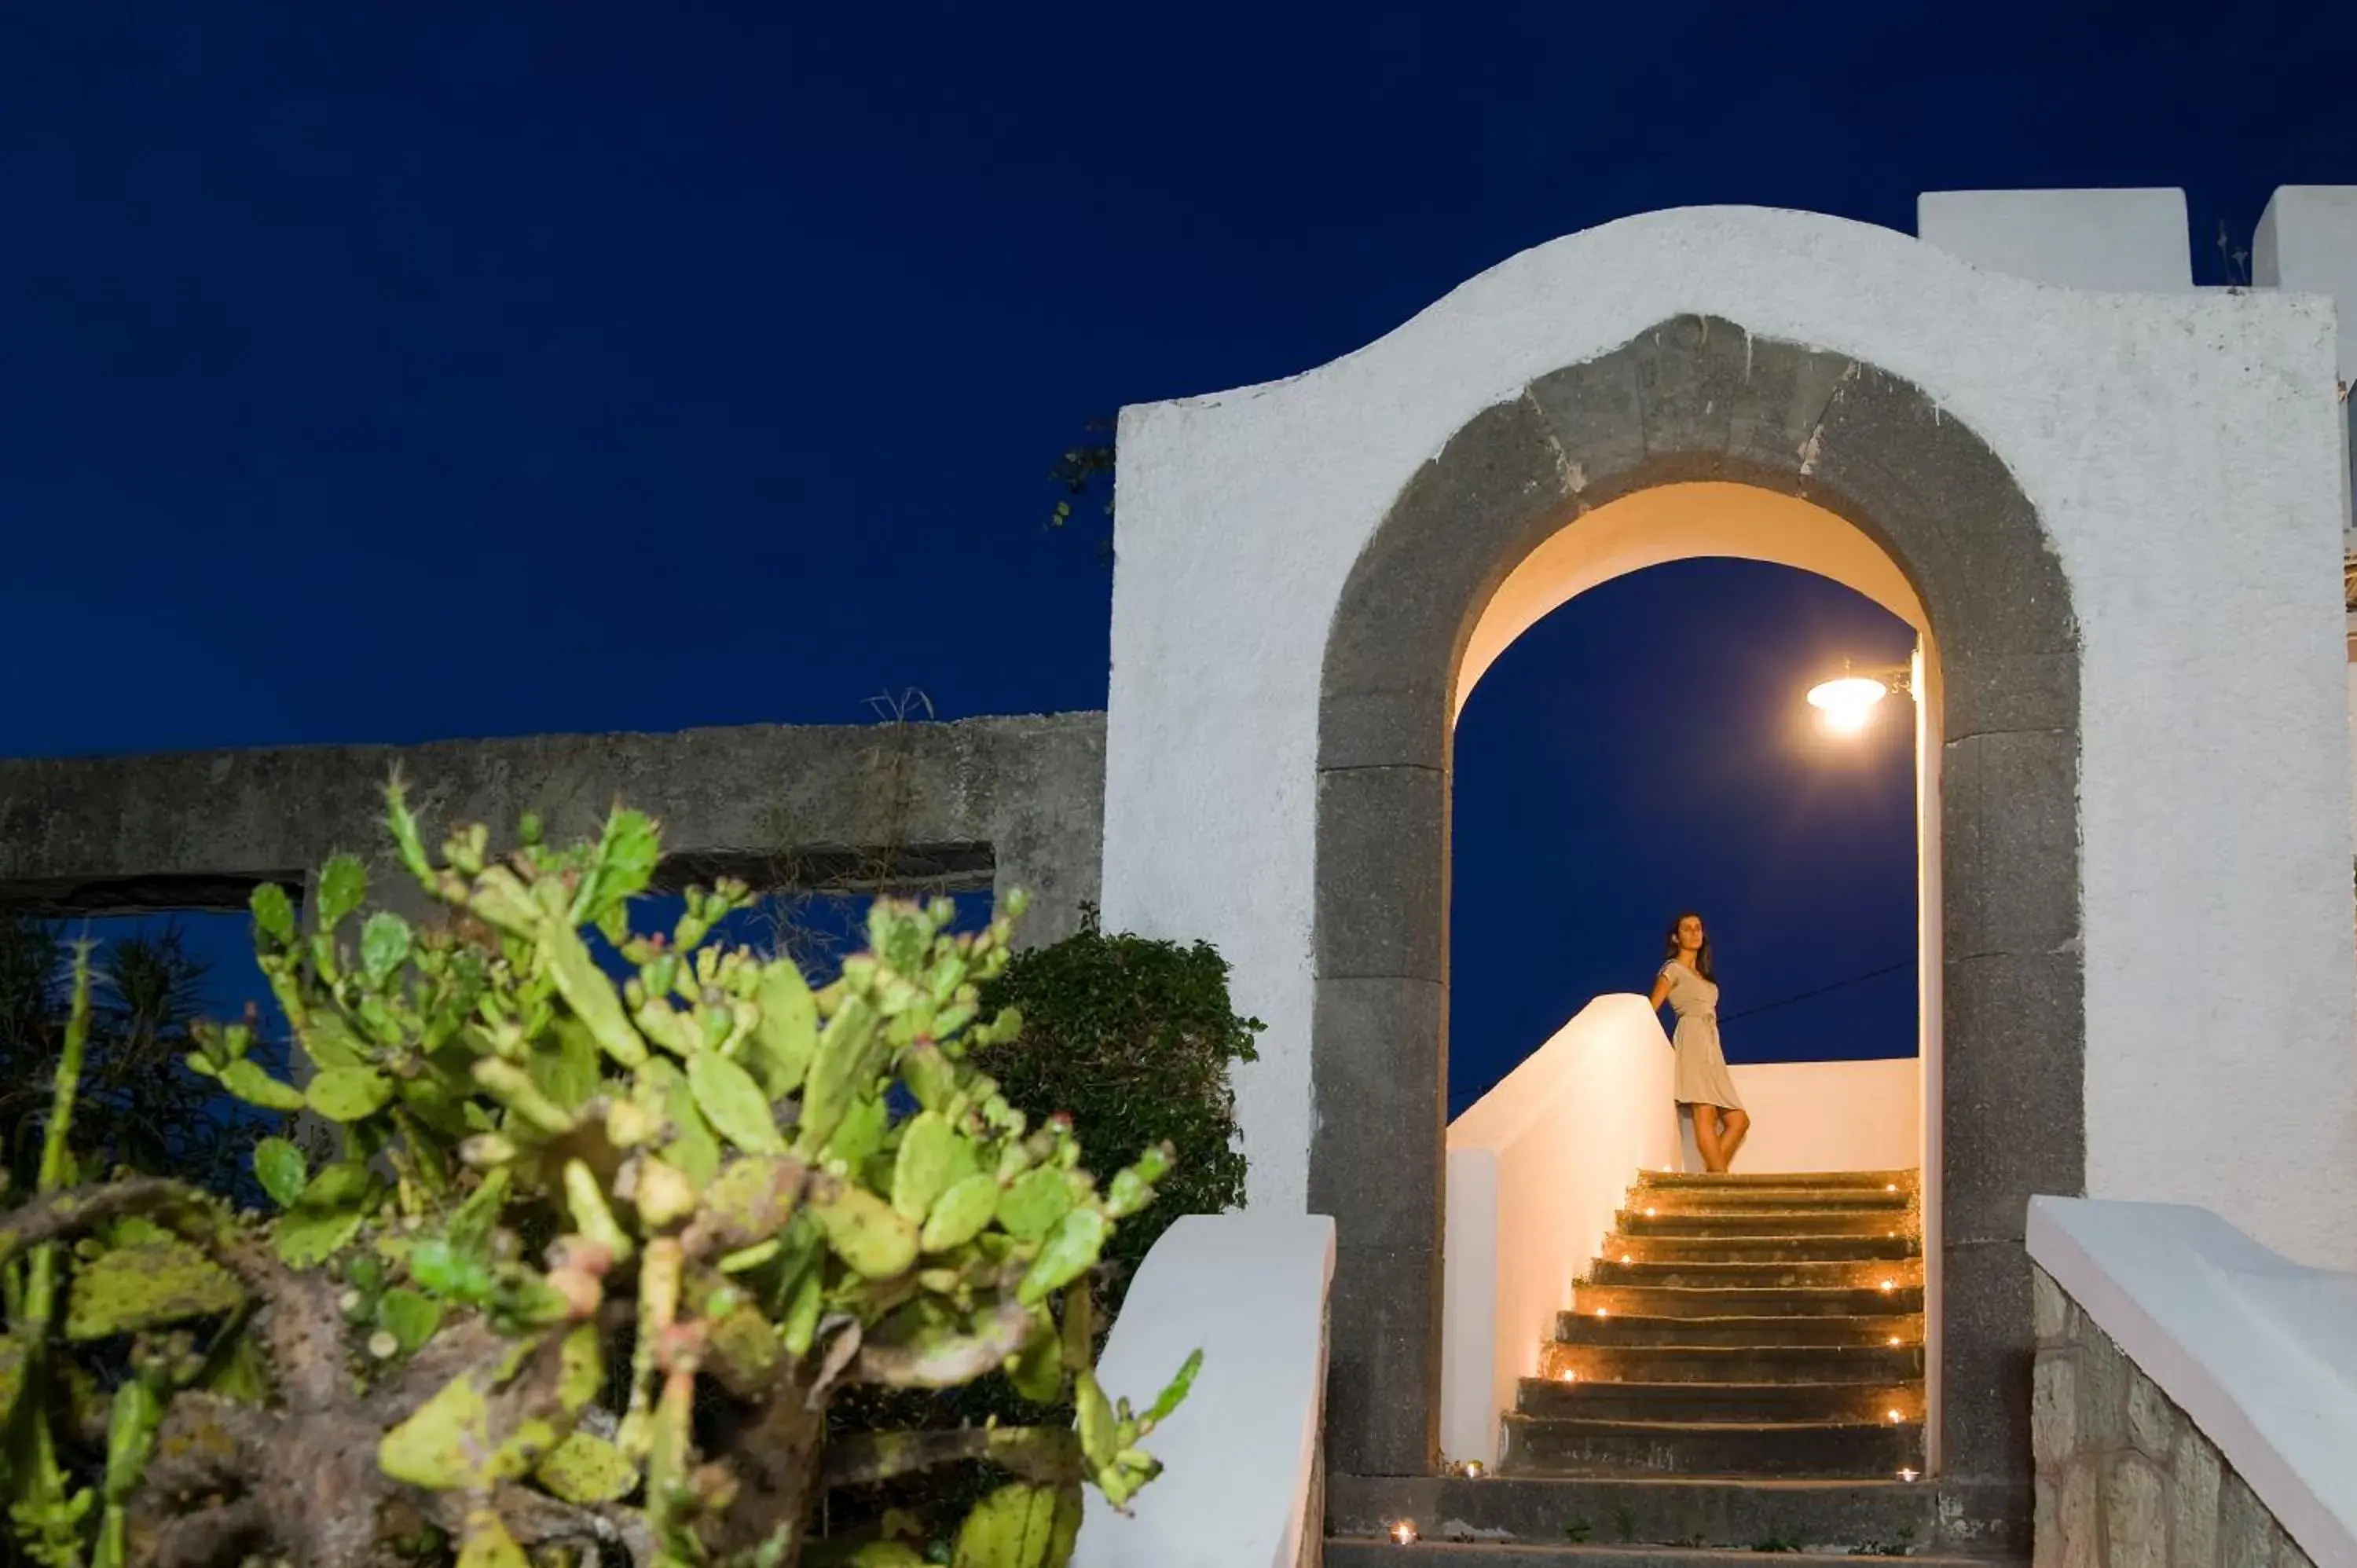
<point>1699,398</point>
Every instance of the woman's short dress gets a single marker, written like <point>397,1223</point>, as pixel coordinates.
<point>1702,1075</point>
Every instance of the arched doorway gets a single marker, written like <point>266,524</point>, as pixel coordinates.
<point>1699,399</point>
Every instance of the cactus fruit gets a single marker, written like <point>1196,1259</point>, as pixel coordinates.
<point>739,1194</point>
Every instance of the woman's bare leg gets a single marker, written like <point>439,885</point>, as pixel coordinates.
<point>1737,1124</point>
<point>1713,1158</point>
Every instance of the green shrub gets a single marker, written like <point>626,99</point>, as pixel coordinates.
<point>1132,1038</point>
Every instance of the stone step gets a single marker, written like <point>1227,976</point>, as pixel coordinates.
<point>1342,1551</point>
<point>1538,1446</point>
<point>1681,1301</point>
<point>1601,1399</point>
<point>1877,1330</point>
<point>1770,1224</point>
<point>1881,1515</point>
<point>1871,1364</point>
<point>1759,1249</point>
<point>1752,1200</point>
<point>1873,1181</point>
<point>1626,1268</point>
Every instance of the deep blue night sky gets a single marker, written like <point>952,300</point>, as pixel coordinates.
<point>398,372</point>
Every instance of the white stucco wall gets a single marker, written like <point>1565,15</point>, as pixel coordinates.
<point>1825,1116</point>
<point>2183,451</point>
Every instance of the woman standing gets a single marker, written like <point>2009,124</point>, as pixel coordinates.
<point>1703,1082</point>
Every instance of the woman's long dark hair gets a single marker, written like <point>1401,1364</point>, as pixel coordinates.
<point>1701,960</point>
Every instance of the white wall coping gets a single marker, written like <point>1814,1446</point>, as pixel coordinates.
<point>2259,1352</point>
<point>1240,1456</point>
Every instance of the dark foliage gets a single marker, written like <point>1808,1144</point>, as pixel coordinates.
<point>1133,1039</point>
<point>139,1106</point>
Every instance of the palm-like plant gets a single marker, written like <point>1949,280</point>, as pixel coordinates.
<point>139,1107</point>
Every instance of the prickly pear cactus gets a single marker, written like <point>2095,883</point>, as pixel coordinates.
<point>587,1261</point>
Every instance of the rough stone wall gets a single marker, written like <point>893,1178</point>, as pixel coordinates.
<point>2123,1480</point>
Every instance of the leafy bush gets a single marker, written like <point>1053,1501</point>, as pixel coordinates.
<point>590,1263</point>
<point>1134,1039</point>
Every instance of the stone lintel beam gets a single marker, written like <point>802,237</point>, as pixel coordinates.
<point>1003,803</point>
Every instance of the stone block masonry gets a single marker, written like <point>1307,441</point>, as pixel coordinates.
<point>2124,1480</point>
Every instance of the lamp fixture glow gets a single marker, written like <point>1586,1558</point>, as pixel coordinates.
<point>1906,1474</point>
<point>1404,1533</point>
<point>1848,700</point>
<point>1847,703</point>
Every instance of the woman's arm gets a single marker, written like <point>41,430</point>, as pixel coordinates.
<point>1660,988</point>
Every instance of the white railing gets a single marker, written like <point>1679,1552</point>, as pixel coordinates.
<point>1242,1463</point>
<point>2259,1352</point>
<point>1536,1169</point>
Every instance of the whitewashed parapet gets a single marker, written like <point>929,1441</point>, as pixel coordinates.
<point>1241,1485</point>
<point>2194,1402</point>
<point>2111,240</point>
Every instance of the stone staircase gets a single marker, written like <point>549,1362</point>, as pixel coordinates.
<point>1738,1326</point>
<point>1741,1371</point>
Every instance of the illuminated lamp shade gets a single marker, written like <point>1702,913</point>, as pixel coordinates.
<point>1848,701</point>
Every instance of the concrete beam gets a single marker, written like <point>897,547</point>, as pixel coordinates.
<point>998,802</point>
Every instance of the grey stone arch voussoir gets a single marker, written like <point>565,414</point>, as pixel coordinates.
<point>1698,398</point>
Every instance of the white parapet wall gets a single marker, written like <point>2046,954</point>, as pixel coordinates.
<point>1536,1169</point>
<point>1827,1116</point>
<point>2306,242</point>
<point>2259,1353</point>
<point>1240,1487</point>
<point>2130,241</point>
